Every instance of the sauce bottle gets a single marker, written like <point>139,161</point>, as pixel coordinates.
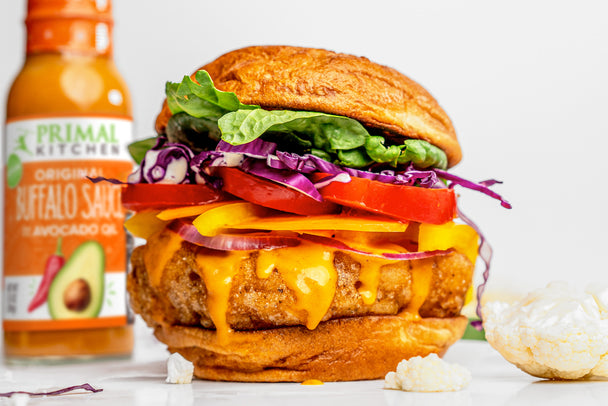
<point>68,116</point>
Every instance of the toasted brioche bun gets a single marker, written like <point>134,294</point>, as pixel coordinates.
<point>294,78</point>
<point>348,349</point>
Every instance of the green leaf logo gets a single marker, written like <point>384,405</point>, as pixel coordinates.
<point>14,171</point>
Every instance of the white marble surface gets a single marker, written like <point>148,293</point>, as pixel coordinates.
<point>141,381</point>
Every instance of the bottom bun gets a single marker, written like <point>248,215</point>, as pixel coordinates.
<point>337,350</point>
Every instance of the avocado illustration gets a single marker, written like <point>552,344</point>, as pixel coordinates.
<point>77,290</point>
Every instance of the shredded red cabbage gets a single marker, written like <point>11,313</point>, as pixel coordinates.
<point>255,149</point>
<point>84,386</point>
<point>97,179</point>
<point>482,186</point>
<point>286,178</point>
<point>175,163</point>
<point>309,163</point>
<point>164,163</point>
<point>261,151</point>
<point>485,253</point>
<point>199,163</point>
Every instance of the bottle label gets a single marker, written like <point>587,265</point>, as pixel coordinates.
<point>64,242</point>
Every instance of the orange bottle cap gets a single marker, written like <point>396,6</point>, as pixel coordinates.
<point>82,26</point>
<point>99,10</point>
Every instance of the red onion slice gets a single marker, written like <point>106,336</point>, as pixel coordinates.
<point>330,242</point>
<point>258,241</point>
<point>233,242</point>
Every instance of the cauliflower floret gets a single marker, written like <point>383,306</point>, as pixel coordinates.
<point>179,369</point>
<point>555,332</point>
<point>428,374</point>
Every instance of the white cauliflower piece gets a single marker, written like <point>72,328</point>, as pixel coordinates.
<point>428,374</point>
<point>179,369</point>
<point>556,332</point>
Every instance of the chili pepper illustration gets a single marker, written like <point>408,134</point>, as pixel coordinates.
<point>53,264</point>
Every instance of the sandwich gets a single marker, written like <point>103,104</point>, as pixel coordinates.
<point>300,222</point>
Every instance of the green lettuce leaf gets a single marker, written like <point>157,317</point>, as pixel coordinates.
<point>326,131</point>
<point>376,150</point>
<point>423,154</point>
<point>201,99</point>
<point>139,148</point>
<point>354,158</point>
<point>340,137</point>
<point>197,133</point>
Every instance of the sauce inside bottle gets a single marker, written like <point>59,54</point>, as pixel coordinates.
<point>68,116</point>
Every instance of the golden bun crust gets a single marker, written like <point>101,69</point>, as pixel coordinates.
<point>294,78</point>
<point>347,349</point>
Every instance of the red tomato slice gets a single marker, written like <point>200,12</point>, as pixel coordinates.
<point>270,194</point>
<point>434,206</point>
<point>143,196</point>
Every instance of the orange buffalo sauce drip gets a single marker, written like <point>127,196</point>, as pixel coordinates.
<point>310,382</point>
<point>218,271</point>
<point>158,253</point>
<point>422,277</point>
<point>314,286</point>
<point>369,273</point>
<point>68,72</point>
<point>369,277</point>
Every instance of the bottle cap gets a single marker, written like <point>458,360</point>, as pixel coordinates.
<point>99,10</point>
<point>80,26</point>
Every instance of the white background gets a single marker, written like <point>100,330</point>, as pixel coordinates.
<point>525,83</point>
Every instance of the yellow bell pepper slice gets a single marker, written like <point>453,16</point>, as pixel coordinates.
<point>461,237</point>
<point>215,220</point>
<point>189,211</point>
<point>144,223</point>
<point>322,222</point>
